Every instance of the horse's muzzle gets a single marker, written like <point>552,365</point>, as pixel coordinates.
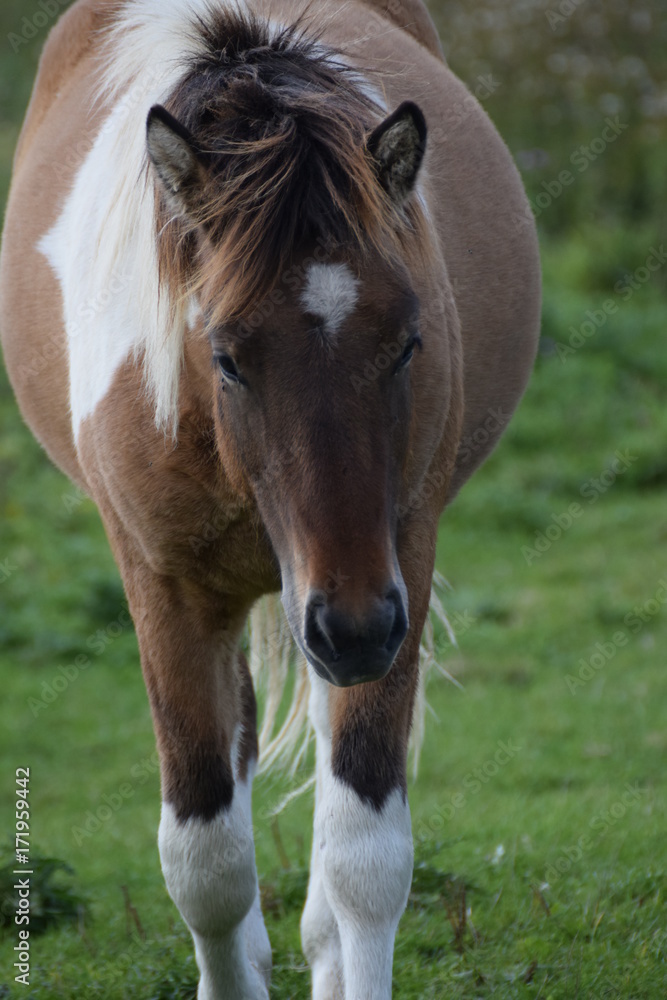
<point>347,650</point>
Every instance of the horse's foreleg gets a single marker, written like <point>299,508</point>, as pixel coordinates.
<point>362,849</point>
<point>362,852</point>
<point>319,927</point>
<point>209,870</point>
<point>204,714</point>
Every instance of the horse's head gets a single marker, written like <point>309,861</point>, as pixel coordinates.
<point>330,370</point>
<point>314,409</point>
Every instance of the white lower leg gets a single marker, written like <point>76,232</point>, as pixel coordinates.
<point>258,946</point>
<point>209,868</point>
<point>360,879</point>
<point>367,860</point>
<point>319,929</point>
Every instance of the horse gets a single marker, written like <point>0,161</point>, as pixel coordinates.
<point>269,266</point>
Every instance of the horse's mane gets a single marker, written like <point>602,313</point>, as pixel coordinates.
<point>281,121</point>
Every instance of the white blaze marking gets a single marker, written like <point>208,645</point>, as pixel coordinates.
<point>330,292</point>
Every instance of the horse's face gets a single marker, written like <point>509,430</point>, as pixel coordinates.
<point>318,419</point>
<point>314,411</point>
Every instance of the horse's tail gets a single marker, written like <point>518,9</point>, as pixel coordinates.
<point>285,733</point>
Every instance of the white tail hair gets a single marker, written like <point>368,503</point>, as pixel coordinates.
<point>273,652</point>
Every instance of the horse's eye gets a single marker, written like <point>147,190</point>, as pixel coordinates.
<point>408,352</point>
<point>228,370</point>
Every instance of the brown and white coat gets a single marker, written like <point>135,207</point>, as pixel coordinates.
<point>193,316</point>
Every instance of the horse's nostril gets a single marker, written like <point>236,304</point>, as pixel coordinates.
<point>326,631</point>
<point>322,626</point>
<point>366,645</point>
<point>399,626</point>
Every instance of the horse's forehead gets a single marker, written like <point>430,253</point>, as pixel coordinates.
<point>331,293</point>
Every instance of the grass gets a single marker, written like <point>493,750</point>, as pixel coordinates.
<point>540,868</point>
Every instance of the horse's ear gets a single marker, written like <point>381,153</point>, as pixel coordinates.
<point>397,145</point>
<point>173,153</point>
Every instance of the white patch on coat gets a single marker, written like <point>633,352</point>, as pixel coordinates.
<point>331,293</point>
<point>103,248</point>
<point>360,879</point>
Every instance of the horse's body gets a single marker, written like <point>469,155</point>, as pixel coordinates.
<point>315,464</point>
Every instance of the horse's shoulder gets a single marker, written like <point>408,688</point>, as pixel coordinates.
<point>412,16</point>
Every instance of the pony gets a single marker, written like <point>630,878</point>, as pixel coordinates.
<point>286,282</point>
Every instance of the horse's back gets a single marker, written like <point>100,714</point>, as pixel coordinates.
<point>74,38</point>
<point>413,17</point>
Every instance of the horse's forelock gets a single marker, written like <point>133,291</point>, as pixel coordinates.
<point>282,124</point>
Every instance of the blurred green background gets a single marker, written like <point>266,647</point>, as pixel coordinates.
<point>549,880</point>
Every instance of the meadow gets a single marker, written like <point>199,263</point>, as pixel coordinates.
<point>540,809</point>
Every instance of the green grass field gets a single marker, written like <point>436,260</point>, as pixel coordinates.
<point>540,809</point>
